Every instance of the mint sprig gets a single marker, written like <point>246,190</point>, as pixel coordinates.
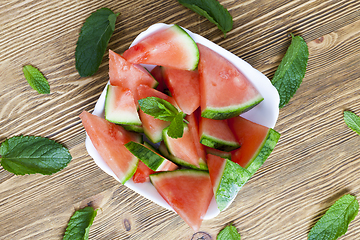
<point>336,220</point>
<point>93,40</point>
<point>352,121</point>
<point>80,223</point>
<point>36,79</point>
<point>163,110</point>
<point>291,71</point>
<point>228,233</point>
<point>29,155</point>
<point>213,11</point>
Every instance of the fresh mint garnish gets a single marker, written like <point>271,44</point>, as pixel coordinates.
<point>29,154</point>
<point>79,224</point>
<point>213,11</point>
<point>176,128</point>
<point>291,71</point>
<point>336,220</point>
<point>93,40</point>
<point>353,121</point>
<point>36,79</point>
<point>228,233</point>
<point>163,110</point>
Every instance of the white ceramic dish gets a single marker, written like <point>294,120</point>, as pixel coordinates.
<point>266,113</point>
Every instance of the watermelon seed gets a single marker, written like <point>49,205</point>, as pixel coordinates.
<point>127,225</point>
<point>201,236</point>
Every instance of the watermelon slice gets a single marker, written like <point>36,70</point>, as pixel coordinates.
<point>127,75</point>
<point>194,129</point>
<point>168,47</point>
<point>257,142</point>
<point>217,134</point>
<point>184,88</point>
<point>157,73</point>
<point>120,106</point>
<point>104,136</point>
<point>151,158</point>
<point>142,173</point>
<point>225,91</point>
<point>188,192</point>
<point>227,178</point>
<point>153,127</point>
<point>184,150</point>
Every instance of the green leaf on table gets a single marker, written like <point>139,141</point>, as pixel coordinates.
<point>79,224</point>
<point>336,220</point>
<point>176,128</point>
<point>353,121</point>
<point>29,154</point>
<point>93,40</point>
<point>213,11</point>
<point>228,233</point>
<point>291,71</point>
<point>158,108</point>
<point>36,79</point>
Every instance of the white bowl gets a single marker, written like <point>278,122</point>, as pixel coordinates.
<point>266,113</point>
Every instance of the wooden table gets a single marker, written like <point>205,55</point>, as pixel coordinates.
<point>315,162</point>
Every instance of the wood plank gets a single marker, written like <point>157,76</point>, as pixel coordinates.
<point>314,163</point>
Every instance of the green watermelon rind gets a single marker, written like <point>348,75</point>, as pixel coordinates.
<point>191,45</point>
<point>133,128</point>
<point>264,151</point>
<point>230,182</point>
<point>112,118</point>
<point>218,144</point>
<point>180,172</point>
<point>149,157</point>
<point>226,155</point>
<point>178,161</point>
<point>231,111</point>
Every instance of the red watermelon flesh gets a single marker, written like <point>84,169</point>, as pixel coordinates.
<point>127,75</point>
<point>184,88</point>
<point>194,129</point>
<point>216,167</point>
<point>169,47</point>
<point>104,136</point>
<point>157,73</point>
<point>153,127</point>
<point>225,91</point>
<point>251,137</point>
<point>142,173</point>
<point>188,192</point>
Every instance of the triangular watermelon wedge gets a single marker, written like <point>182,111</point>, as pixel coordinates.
<point>225,91</point>
<point>227,178</point>
<point>257,142</point>
<point>109,139</point>
<point>188,192</point>
<point>167,47</point>
<point>127,75</point>
<point>194,129</point>
<point>184,88</point>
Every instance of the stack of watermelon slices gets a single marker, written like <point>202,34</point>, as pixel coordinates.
<point>188,171</point>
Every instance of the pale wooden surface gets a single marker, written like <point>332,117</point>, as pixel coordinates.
<point>315,162</point>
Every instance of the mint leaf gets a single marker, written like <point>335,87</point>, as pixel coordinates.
<point>158,108</point>
<point>228,233</point>
<point>93,40</point>
<point>79,224</point>
<point>176,128</point>
<point>336,220</point>
<point>29,154</point>
<point>36,79</point>
<point>353,121</point>
<point>213,11</point>
<point>291,71</point>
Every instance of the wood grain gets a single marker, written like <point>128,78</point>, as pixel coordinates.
<point>315,162</point>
